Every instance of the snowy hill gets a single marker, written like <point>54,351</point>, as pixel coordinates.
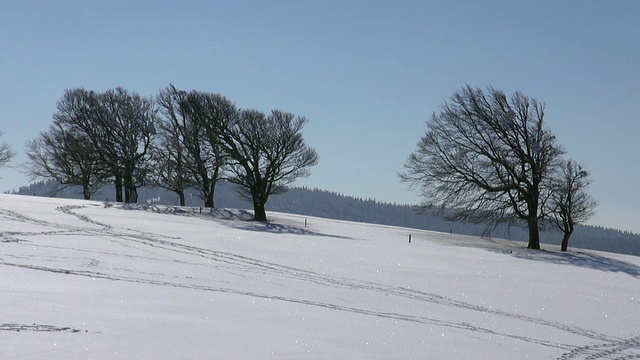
<point>87,279</point>
<point>326,204</point>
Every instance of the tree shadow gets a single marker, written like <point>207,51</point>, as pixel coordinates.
<point>187,211</point>
<point>273,227</point>
<point>580,259</point>
<point>235,218</point>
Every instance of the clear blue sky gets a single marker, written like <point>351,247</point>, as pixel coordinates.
<point>367,74</point>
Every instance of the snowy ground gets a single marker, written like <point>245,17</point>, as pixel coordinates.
<point>88,280</point>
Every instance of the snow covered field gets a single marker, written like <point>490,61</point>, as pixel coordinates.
<point>89,280</point>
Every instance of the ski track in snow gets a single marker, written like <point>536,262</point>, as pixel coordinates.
<point>158,246</point>
<point>36,327</point>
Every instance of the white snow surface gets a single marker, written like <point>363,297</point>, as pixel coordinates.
<point>92,280</point>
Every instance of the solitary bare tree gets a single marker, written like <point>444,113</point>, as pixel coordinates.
<point>570,203</point>
<point>485,158</point>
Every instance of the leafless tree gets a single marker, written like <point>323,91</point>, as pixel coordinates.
<point>204,118</point>
<point>570,203</point>
<point>127,122</point>
<point>6,154</point>
<point>267,152</point>
<point>172,161</point>
<point>261,154</point>
<point>119,125</point>
<point>485,159</point>
<point>66,156</point>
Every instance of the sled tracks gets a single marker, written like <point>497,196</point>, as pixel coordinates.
<point>36,327</point>
<point>618,350</point>
<point>601,346</point>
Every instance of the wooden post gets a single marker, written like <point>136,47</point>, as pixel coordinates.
<point>409,238</point>
<point>305,222</point>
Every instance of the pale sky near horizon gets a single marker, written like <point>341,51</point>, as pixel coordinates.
<point>367,74</point>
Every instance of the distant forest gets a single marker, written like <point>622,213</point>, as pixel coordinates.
<point>326,204</point>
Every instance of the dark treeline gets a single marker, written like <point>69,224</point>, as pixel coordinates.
<point>326,204</point>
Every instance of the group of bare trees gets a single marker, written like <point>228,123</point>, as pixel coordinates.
<point>205,138</point>
<point>96,138</point>
<point>489,158</point>
<point>177,140</point>
<point>486,157</point>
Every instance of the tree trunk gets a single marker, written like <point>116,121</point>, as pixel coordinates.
<point>131,195</point>
<point>130,190</point>
<point>127,194</point>
<point>208,198</point>
<point>259,197</point>
<point>86,192</point>
<point>183,202</point>
<point>259,212</point>
<point>118,185</point>
<point>534,234</point>
<point>565,238</point>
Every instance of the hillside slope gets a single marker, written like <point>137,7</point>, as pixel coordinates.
<point>320,203</point>
<point>87,279</point>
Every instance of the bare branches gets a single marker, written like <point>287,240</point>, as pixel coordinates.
<point>95,137</point>
<point>6,154</point>
<point>260,153</point>
<point>569,203</point>
<point>65,156</point>
<point>266,154</point>
<point>484,158</point>
<point>188,153</point>
<point>198,139</point>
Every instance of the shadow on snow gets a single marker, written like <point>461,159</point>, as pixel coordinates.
<point>236,218</point>
<point>580,259</point>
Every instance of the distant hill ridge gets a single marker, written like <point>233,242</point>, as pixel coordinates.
<point>326,204</point>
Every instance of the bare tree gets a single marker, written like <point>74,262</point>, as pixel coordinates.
<point>485,158</point>
<point>80,110</point>
<point>6,154</point>
<point>119,126</point>
<point>172,164</point>
<point>65,156</point>
<point>570,203</point>
<point>204,119</point>
<point>127,123</point>
<point>266,154</point>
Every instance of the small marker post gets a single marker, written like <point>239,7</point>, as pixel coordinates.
<point>409,238</point>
